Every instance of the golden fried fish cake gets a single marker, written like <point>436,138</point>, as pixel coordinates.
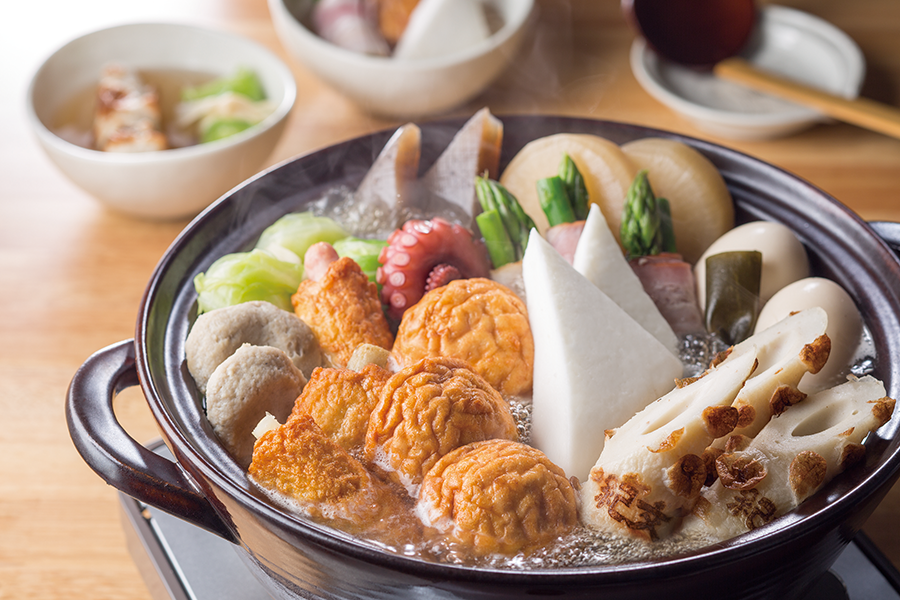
<point>299,462</point>
<point>498,497</point>
<point>428,409</point>
<point>343,310</point>
<point>341,401</point>
<point>476,320</point>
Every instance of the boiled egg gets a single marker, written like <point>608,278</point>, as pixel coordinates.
<point>844,323</point>
<point>784,258</point>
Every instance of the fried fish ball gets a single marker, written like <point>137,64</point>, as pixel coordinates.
<point>216,334</point>
<point>476,320</point>
<point>343,310</point>
<point>429,409</point>
<point>248,384</point>
<point>498,496</point>
<point>301,463</point>
<point>341,401</point>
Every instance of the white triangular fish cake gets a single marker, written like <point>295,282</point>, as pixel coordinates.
<point>651,468</point>
<point>599,258</point>
<point>594,365</point>
<point>790,459</point>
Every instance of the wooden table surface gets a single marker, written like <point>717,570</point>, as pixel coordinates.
<point>72,273</point>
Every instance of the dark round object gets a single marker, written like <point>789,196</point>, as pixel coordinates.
<point>295,558</point>
<point>698,33</point>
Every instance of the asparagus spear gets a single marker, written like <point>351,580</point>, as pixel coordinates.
<point>554,200</point>
<point>575,188</point>
<point>640,231</point>
<point>509,218</point>
<point>526,224</point>
<point>499,246</point>
<point>493,196</point>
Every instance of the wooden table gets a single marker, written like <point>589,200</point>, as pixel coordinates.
<point>72,273</point>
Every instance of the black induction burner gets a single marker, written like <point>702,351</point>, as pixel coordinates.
<point>179,561</point>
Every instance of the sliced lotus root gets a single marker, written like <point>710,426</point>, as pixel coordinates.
<point>790,459</point>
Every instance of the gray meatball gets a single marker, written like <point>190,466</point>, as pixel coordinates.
<point>248,384</point>
<point>217,334</point>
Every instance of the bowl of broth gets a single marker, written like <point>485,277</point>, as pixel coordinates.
<point>175,176</point>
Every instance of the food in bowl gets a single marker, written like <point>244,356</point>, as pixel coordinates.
<point>149,110</point>
<point>569,350</point>
<point>405,29</point>
<point>127,117</point>
<point>179,182</point>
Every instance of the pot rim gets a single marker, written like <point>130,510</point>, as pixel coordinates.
<point>798,523</point>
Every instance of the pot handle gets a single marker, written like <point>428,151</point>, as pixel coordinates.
<point>115,456</point>
<point>889,231</point>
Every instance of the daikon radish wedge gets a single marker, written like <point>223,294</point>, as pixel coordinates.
<point>606,170</point>
<point>594,366</point>
<point>702,209</point>
<point>599,258</point>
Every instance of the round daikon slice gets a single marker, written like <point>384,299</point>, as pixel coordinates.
<point>607,173</point>
<point>702,208</point>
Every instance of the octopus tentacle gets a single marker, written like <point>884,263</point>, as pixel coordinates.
<point>424,255</point>
<point>441,275</point>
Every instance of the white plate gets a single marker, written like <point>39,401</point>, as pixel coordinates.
<point>787,42</point>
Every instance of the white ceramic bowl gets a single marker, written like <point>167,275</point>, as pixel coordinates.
<point>788,42</point>
<point>167,184</point>
<point>403,88</point>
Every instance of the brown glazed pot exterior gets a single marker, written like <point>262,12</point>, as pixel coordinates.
<point>296,559</point>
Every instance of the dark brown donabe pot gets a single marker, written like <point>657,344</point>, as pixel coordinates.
<point>294,558</point>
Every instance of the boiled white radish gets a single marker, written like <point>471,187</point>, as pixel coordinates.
<point>594,366</point>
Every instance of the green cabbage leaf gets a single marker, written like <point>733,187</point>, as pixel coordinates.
<point>364,252</point>
<point>246,276</point>
<point>298,231</point>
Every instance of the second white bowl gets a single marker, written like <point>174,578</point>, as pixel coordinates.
<point>166,184</point>
<point>403,88</point>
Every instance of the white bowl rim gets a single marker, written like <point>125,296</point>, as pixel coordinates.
<point>498,38</point>
<point>850,51</point>
<point>172,154</point>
